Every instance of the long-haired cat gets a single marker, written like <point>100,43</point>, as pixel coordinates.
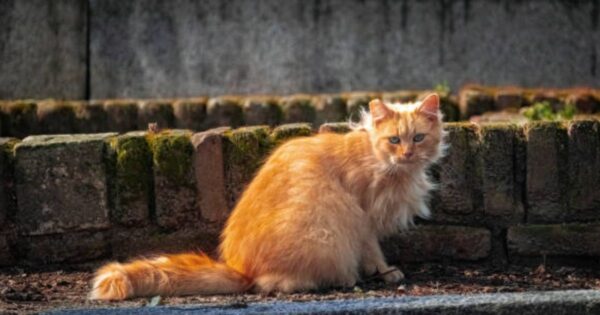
<point>313,215</point>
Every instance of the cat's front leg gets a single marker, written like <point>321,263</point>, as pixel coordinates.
<point>373,262</point>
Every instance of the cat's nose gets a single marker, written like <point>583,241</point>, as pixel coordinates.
<point>408,154</point>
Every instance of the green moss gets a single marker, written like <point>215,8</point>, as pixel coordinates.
<point>133,164</point>
<point>172,153</point>
<point>288,131</point>
<point>247,147</point>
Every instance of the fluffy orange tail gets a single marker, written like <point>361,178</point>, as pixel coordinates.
<point>182,274</point>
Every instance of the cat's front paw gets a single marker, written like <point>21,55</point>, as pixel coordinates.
<point>370,269</point>
<point>393,275</point>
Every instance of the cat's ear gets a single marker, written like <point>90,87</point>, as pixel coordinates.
<point>379,110</point>
<point>430,106</point>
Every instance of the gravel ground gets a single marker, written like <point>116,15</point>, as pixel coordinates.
<point>30,291</point>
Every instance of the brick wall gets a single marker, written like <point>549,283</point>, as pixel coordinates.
<point>20,118</point>
<point>508,194</point>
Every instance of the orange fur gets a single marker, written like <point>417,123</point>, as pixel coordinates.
<point>313,215</point>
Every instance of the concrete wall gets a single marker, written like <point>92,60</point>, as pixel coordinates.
<point>188,48</point>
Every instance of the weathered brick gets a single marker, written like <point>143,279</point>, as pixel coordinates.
<point>511,98</point>
<point>460,176</point>
<point>133,186</point>
<point>210,174</point>
<point>584,170</point>
<point>159,112</point>
<point>56,117</point>
<point>340,127</point>
<point>357,102</point>
<point>431,243</point>
<point>330,108</point>
<point>557,239</point>
<point>585,102</point>
<point>122,115</point>
<point>400,96</point>
<point>298,108</point>
<point>63,248</point>
<point>262,111</point>
<point>7,257</point>
<point>190,113</point>
<point>502,189</point>
<point>244,152</point>
<point>546,172</point>
<point>225,111</point>
<point>19,118</point>
<point>7,189</point>
<point>288,131</point>
<point>475,102</point>
<point>61,183</point>
<point>91,117</point>
<point>174,182</point>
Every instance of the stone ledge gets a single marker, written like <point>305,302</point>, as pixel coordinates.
<point>534,303</point>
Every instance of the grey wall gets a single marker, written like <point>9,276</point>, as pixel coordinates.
<point>152,48</point>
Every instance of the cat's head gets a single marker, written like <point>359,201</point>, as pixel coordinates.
<point>406,135</point>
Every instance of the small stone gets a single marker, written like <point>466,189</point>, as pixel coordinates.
<point>159,112</point>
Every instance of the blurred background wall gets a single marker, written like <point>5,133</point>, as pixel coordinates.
<point>142,48</point>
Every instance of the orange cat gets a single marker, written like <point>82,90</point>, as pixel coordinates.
<point>312,217</point>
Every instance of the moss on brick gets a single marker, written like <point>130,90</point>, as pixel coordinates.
<point>245,150</point>
<point>57,117</point>
<point>134,181</point>
<point>263,110</point>
<point>248,145</point>
<point>288,131</point>
<point>172,154</point>
<point>190,113</point>
<point>225,111</point>
<point>299,108</point>
<point>160,112</point>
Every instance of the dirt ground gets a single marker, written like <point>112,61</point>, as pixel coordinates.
<point>30,291</point>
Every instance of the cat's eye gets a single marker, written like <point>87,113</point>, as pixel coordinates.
<point>394,140</point>
<point>419,137</point>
